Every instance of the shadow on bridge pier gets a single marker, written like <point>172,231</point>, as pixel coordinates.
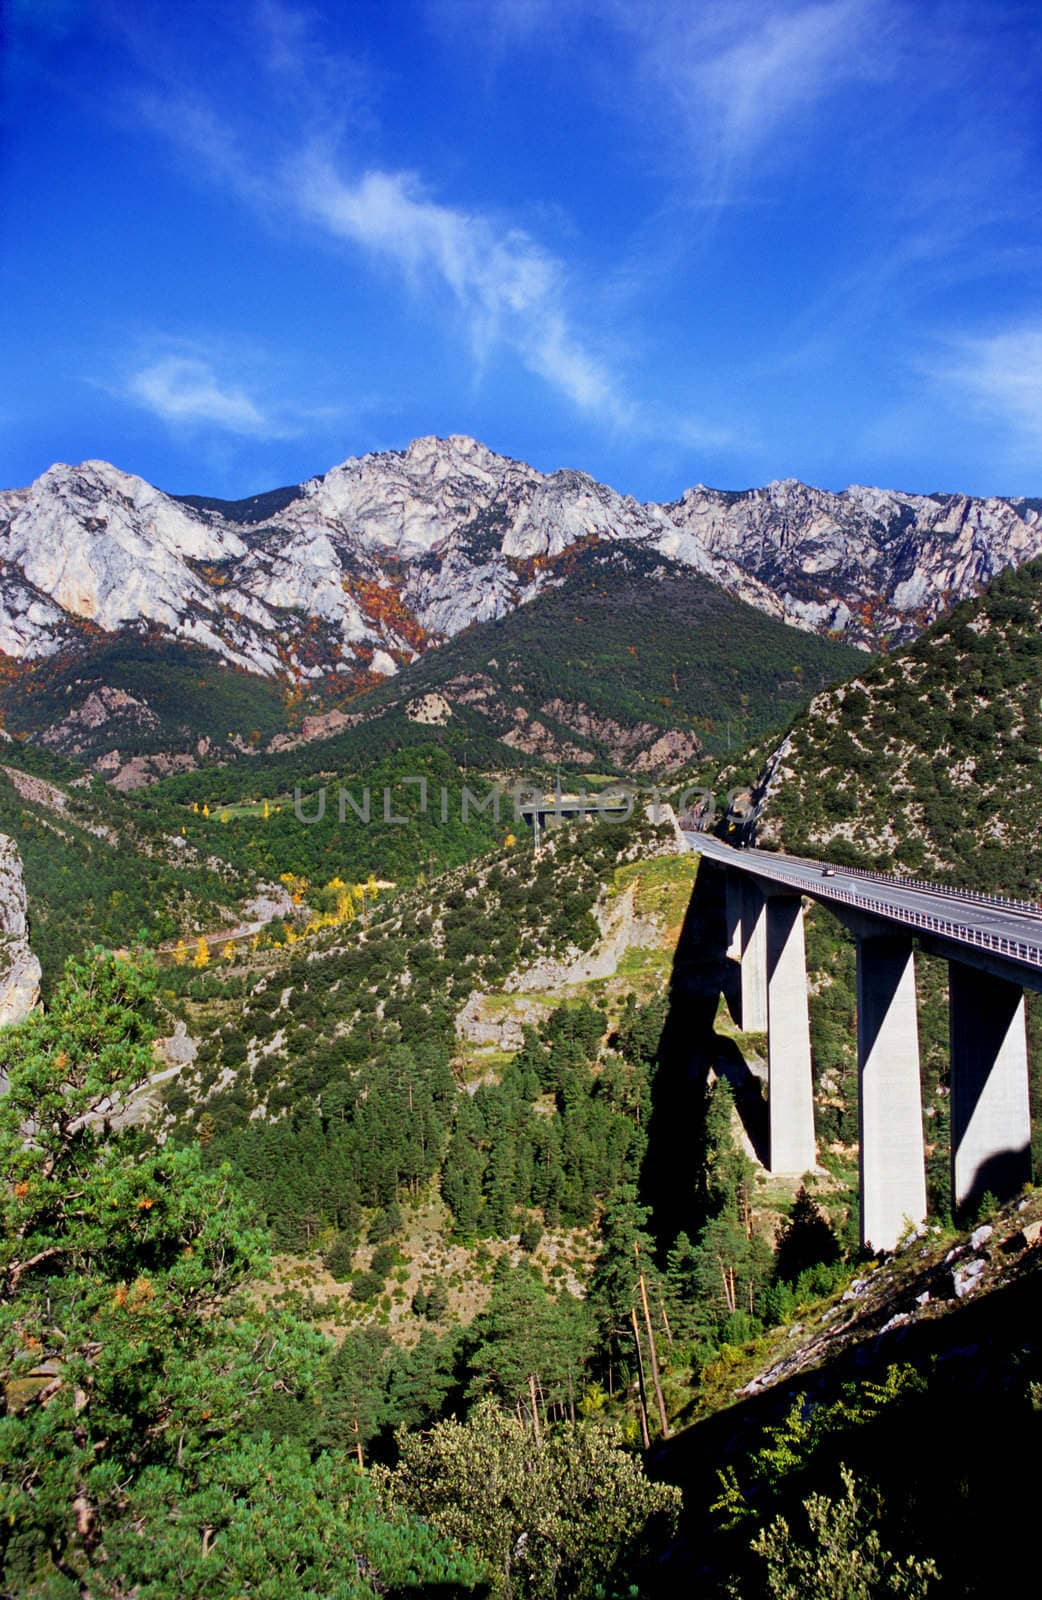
<point>689,1048</point>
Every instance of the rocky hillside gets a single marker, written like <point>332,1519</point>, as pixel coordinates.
<point>935,1348</point>
<point>358,570</point>
<point>930,761</point>
<point>19,968</point>
<point>873,564</point>
<point>622,665</point>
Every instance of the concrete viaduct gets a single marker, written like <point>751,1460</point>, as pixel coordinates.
<point>994,952</point>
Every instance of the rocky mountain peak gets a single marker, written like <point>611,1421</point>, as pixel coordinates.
<point>389,551</point>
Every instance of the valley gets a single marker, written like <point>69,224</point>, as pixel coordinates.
<point>520,800</point>
<point>461,1124</point>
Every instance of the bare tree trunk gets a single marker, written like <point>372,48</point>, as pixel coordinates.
<point>655,1378</point>
<point>665,1320</point>
<point>535,1409</point>
<point>644,1434</point>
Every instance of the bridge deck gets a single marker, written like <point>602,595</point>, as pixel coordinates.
<point>1008,930</point>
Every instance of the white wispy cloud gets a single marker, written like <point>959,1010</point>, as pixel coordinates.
<point>498,286</point>
<point>736,81</point>
<point>999,374</point>
<point>724,83</point>
<point>186,391</point>
<point>508,289</point>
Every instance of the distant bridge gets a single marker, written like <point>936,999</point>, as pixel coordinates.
<point>993,947</point>
<point>550,810</point>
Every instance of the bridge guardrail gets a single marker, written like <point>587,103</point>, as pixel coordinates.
<point>1030,906</point>
<point>1001,944</point>
<point>1019,949</point>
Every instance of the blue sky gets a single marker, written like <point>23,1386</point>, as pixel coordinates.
<point>715,241</point>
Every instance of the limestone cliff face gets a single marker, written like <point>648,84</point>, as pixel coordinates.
<point>363,567</point>
<point>867,563</point>
<point>19,968</point>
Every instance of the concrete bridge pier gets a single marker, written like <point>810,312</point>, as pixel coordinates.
<point>754,958</point>
<point>790,1084</point>
<point>734,900</point>
<point>991,1117</point>
<point>890,1113</point>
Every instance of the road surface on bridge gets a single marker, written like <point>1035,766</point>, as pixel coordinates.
<point>1009,929</point>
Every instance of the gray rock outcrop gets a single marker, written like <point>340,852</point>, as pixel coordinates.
<point>19,968</point>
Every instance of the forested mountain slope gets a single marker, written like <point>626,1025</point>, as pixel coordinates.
<point>135,707</point>
<point>327,1069</point>
<point>119,871</point>
<point>930,762</point>
<point>97,871</point>
<point>624,665</point>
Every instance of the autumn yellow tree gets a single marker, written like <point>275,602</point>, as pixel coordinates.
<point>180,953</point>
<point>297,886</point>
<point>228,951</point>
<point>202,953</point>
